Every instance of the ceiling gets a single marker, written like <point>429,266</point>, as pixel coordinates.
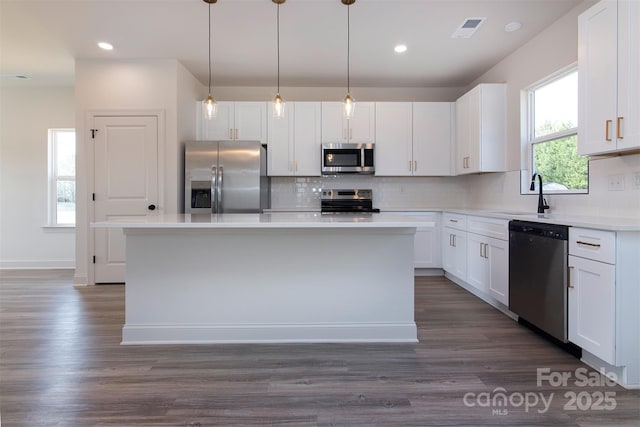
<point>41,38</point>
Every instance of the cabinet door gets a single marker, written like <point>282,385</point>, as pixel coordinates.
<point>497,254</point>
<point>306,137</point>
<point>474,130</point>
<point>432,138</point>
<point>477,264</point>
<point>597,62</point>
<point>333,123</point>
<point>462,134</point>
<point>222,127</point>
<point>628,74</point>
<point>426,247</point>
<point>280,144</point>
<point>251,121</point>
<point>361,128</point>
<point>393,122</point>
<point>454,252</point>
<point>591,306</point>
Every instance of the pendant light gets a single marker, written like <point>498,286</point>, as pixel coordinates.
<point>278,104</point>
<point>349,102</point>
<point>209,105</point>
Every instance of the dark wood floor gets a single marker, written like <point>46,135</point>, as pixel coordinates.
<point>61,365</point>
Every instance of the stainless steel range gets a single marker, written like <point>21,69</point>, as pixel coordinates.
<point>347,201</point>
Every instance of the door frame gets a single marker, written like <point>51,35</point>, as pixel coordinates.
<point>90,115</point>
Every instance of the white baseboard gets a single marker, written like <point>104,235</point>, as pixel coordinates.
<point>38,265</point>
<point>270,333</point>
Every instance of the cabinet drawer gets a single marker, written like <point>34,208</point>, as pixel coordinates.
<point>597,245</point>
<point>453,220</point>
<point>491,227</point>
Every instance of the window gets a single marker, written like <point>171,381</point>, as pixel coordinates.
<point>553,134</point>
<point>62,177</point>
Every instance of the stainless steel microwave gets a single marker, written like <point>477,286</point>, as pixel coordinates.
<point>347,158</point>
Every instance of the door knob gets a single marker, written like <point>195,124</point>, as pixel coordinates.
<point>151,207</point>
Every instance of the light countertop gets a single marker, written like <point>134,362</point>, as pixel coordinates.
<point>598,222</point>
<point>299,220</point>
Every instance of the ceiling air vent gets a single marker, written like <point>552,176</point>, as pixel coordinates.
<point>467,28</point>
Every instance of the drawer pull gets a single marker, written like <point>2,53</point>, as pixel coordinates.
<point>595,245</point>
<point>453,220</point>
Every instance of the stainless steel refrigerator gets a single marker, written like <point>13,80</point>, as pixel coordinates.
<point>225,177</point>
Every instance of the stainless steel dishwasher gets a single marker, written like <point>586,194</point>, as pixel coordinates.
<point>538,256</point>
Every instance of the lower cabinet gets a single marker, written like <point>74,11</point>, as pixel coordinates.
<point>476,251</point>
<point>488,266</point>
<point>591,306</point>
<point>426,250</point>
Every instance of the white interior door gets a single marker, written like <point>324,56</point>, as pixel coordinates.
<point>125,184</point>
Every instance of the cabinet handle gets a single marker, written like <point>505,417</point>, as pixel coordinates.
<point>409,165</point>
<point>481,246</point>
<point>620,127</point>
<point>486,251</point>
<point>415,166</point>
<point>569,278</point>
<point>595,245</point>
<point>453,220</point>
<point>296,166</point>
<point>450,239</point>
<point>230,133</point>
<point>607,123</point>
<point>236,133</point>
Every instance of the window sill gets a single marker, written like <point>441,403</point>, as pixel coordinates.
<point>59,228</point>
<point>553,193</point>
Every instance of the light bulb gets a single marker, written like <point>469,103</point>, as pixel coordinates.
<point>279,106</point>
<point>210,108</point>
<point>349,106</point>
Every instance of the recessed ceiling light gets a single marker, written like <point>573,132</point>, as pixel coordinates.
<point>105,46</point>
<point>401,48</point>
<point>512,26</point>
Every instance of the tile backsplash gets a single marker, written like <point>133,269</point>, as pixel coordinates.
<point>388,192</point>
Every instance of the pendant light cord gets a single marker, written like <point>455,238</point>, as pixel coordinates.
<point>348,49</point>
<point>209,48</point>
<point>278,33</point>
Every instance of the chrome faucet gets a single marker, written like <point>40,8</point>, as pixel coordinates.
<point>542,203</point>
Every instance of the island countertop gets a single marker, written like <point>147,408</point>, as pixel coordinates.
<point>279,220</point>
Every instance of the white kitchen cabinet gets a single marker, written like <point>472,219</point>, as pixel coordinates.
<point>481,130</point>
<point>359,129</point>
<point>591,306</point>
<point>609,84</point>
<point>413,139</point>
<point>433,132</point>
<point>427,253</point>
<point>294,141</point>
<point>488,257</point>
<point>454,245</point>
<point>394,141</point>
<point>246,121</point>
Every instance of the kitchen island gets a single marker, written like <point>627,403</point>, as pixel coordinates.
<point>268,278</point>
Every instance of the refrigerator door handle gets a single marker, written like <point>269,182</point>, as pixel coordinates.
<point>214,189</point>
<point>220,176</point>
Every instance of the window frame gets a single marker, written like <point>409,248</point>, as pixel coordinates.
<point>54,177</point>
<point>531,140</point>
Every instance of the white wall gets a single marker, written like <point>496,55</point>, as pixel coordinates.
<point>26,113</point>
<point>553,49</point>
<point>133,86</point>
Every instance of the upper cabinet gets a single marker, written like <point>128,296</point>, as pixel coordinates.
<point>413,139</point>
<point>394,156</point>
<point>433,131</point>
<point>294,141</point>
<point>481,130</point>
<point>245,121</point>
<point>359,129</point>
<point>609,84</point>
